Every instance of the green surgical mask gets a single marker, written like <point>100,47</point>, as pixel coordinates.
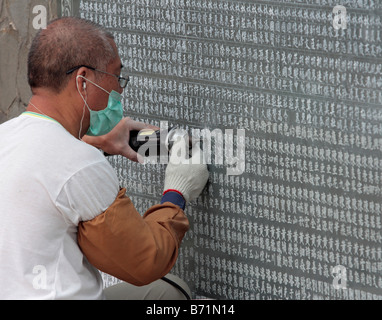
<point>103,121</point>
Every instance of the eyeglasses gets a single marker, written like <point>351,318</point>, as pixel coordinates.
<point>122,81</point>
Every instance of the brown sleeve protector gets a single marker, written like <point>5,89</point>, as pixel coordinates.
<point>135,249</point>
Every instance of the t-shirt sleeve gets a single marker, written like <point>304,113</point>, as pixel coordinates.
<point>88,193</point>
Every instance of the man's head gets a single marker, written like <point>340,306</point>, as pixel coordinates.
<point>72,64</point>
<point>65,44</point>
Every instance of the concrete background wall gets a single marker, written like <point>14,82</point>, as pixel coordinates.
<point>16,34</point>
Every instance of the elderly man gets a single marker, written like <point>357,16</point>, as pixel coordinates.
<point>63,214</point>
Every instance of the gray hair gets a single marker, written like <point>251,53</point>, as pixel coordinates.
<point>67,43</point>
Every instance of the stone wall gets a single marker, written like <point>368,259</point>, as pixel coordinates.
<point>16,34</point>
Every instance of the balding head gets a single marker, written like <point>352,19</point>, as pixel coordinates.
<point>65,44</point>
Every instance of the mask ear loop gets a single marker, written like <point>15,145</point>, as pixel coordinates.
<point>85,104</point>
<point>93,83</point>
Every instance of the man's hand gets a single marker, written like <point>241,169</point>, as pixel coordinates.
<point>116,142</point>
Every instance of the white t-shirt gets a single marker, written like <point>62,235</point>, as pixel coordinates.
<point>49,182</point>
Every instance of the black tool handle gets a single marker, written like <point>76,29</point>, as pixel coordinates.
<point>133,142</point>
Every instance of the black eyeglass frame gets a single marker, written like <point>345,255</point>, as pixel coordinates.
<point>121,80</point>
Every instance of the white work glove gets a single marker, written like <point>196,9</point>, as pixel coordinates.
<point>187,176</point>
